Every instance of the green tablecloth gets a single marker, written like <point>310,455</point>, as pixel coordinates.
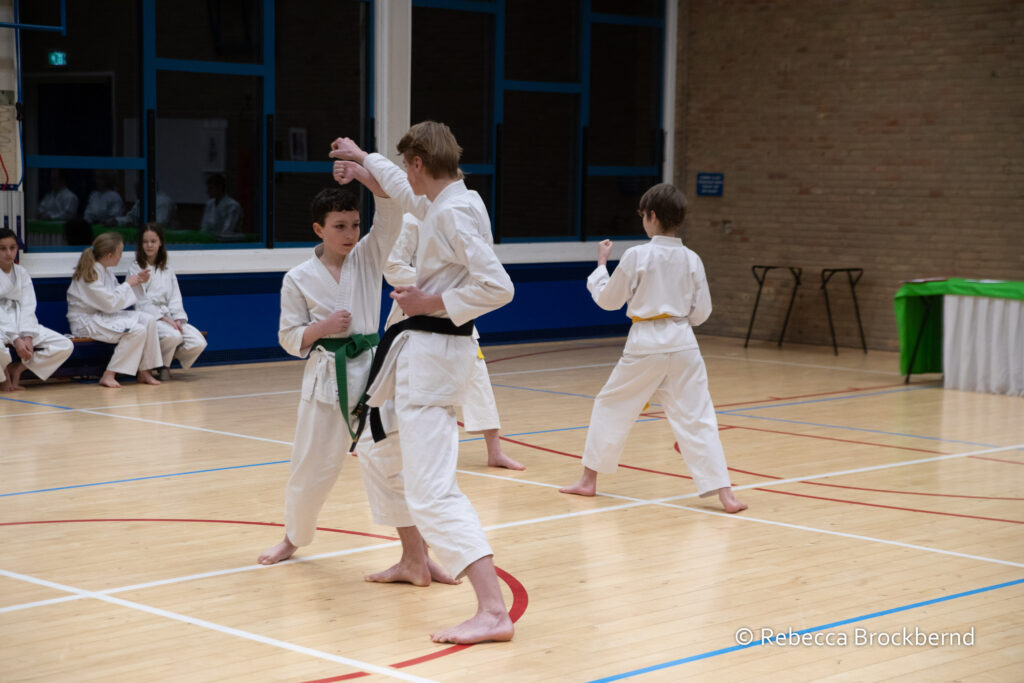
<point>914,298</point>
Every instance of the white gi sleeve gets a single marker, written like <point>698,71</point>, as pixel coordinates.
<point>175,307</point>
<point>399,270</point>
<point>611,293</point>
<point>396,184</point>
<point>294,318</point>
<point>700,310</point>
<point>489,287</point>
<point>107,300</point>
<point>387,225</point>
<point>27,321</point>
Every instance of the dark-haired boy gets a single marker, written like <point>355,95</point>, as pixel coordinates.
<point>330,310</point>
<point>36,348</point>
<point>664,284</point>
<point>410,474</point>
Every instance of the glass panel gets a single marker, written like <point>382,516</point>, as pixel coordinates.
<point>293,193</point>
<point>543,39</point>
<point>482,185</point>
<point>209,30</point>
<point>625,89</point>
<point>317,105</point>
<point>81,105</point>
<point>71,206</point>
<point>538,165</point>
<point>452,75</point>
<point>209,153</point>
<point>611,204</point>
<point>649,8</point>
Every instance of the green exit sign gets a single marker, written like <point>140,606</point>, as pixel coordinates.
<point>58,58</point>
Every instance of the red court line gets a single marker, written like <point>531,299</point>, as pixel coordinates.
<point>833,438</point>
<point>520,599</point>
<point>580,457</point>
<point>982,457</point>
<point>891,507</point>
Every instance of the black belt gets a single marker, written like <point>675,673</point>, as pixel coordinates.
<point>420,323</point>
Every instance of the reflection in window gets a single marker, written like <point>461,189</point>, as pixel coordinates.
<point>319,101</point>
<point>210,30</point>
<point>611,204</point>
<point>208,154</point>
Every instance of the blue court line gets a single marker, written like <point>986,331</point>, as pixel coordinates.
<point>823,400</point>
<point>543,391</point>
<point>155,476</point>
<point>33,403</point>
<point>813,629</point>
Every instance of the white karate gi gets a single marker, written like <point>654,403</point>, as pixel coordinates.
<point>410,476</point>
<point>5,360</point>
<point>162,299</point>
<point>480,410</point>
<point>61,205</point>
<point>221,217</point>
<point>661,359</point>
<point>165,210</point>
<point>18,319</point>
<point>309,294</point>
<point>97,309</point>
<point>103,207</point>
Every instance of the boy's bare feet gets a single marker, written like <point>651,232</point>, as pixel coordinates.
<point>586,486</point>
<point>13,372</point>
<point>495,456</point>
<point>483,627</point>
<point>108,380</point>
<point>729,501</point>
<point>277,553</point>
<point>416,573</point>
<point>146,377</point>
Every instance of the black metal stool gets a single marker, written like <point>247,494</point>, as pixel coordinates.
<point>826,275</point>
<point>760,277</point>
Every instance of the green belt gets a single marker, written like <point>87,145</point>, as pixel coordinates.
<point>344,348</point>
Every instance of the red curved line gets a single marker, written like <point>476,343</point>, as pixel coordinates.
<point>520,598</point>
<point>891,507</point>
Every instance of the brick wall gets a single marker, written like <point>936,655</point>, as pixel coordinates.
<point>883,134</point>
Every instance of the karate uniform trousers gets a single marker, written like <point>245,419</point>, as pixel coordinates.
<point>5,360</point>
<point>51,350</point>
<point>321,440</point>
<point>137,349</point>
<point>185,345</point>
<point>679,382</point>
<point>410,476</point>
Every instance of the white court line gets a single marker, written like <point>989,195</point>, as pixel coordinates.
<point>181,426</point>
<point>151,403</point>
<point>202,623</point>
<point>804,365</point>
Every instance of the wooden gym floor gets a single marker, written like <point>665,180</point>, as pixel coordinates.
<point>880,514</point>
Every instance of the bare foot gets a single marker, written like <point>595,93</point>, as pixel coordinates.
<point>14,371</point>
<point>416,573</point>
<point>586,486</point>
<point>108,380</point>
<point>729,501</point>
<point>277,553</point>
<point>499,459</point>
<point>483,627</point>
<point>146,377</point>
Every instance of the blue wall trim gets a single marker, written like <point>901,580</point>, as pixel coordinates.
<point>88,163</point>
<point>239,312</point>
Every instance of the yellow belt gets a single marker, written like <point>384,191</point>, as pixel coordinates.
<point>656,317</point>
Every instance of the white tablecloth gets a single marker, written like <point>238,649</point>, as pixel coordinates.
<point>983,344</point>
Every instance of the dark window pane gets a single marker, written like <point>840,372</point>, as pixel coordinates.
<point>62,210</point>
<point>452,75</point>
<point>649,8</point>
<point>624,95</point>
<point>543,39</point>
<point>318,100</point>
<point>214,137</point>
<point>292,194</point>
<point>209,30</point>
<point>538,165</point>
<point>611,204</point>
<point>90,106</point>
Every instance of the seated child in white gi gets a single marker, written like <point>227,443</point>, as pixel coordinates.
<point>410,474</point>
<point>664,284</point>
<point>38,348</point>
<point>97,308</point>
<point>162,300</point>
<point>330,311</point>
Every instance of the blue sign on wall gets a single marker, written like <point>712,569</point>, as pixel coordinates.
<point>710,184</point>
